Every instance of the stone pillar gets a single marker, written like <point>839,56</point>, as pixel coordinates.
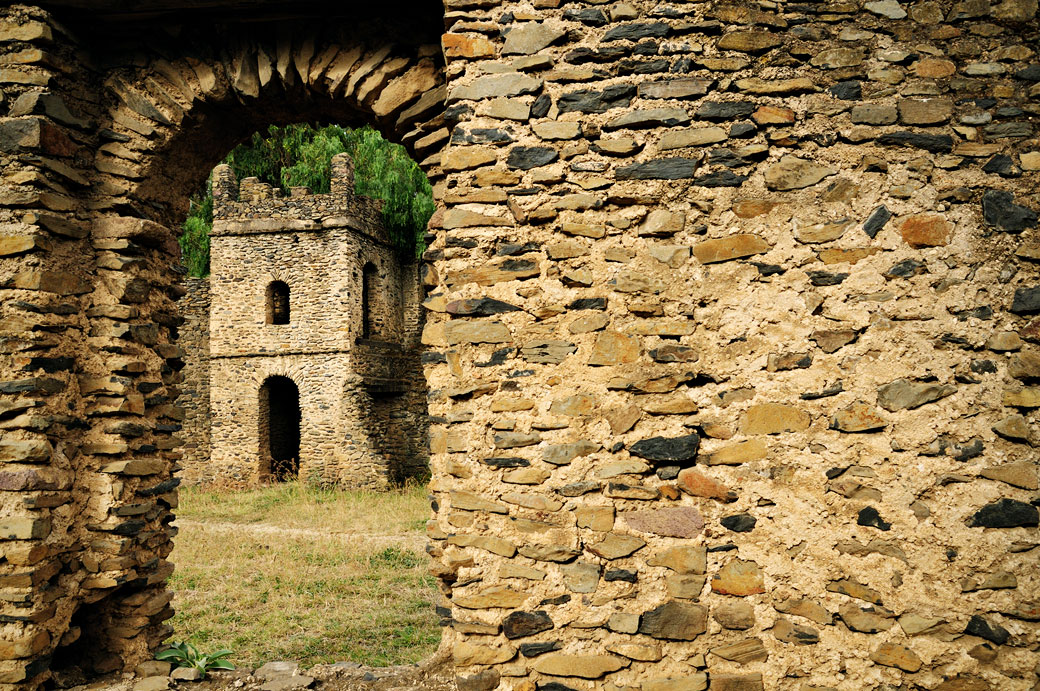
<point>342,175</point>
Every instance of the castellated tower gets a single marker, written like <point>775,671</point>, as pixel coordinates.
<point>314,330</point>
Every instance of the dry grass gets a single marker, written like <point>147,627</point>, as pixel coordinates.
<point>299,573</point>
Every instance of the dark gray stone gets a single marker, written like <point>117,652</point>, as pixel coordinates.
<point>588,304</point>
<point>589,101</point>
<point>869,517</point>
<point>480,135</point>
<point>1031,73</point>
<point>847,91</point>
<point>905,269</point>
<point>523,624</point>
<point>592,17</point>
<point>728,110</point>
<point>660,169</point>
<point>825,278</point>
<point>723,178</point>
<point>480,307</point>
<point>1027,300</point>
<point>739,523</point>
<point>936,143</point>
<point>667,450</point>
<point>541,105</point>
<point>527,157</point>
<point>1008,130</point>
<point>534,649</point>
<point>507,462</point>
<point>999,209</point>
<point>634,32</point>
<point>1005,513</point>
<point>876,221</point>
<point>1001,165</point>
<point>994,633</point>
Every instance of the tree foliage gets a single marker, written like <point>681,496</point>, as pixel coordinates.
<point>300,156</point>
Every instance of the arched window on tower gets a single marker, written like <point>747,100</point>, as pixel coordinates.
<point>369,296</point>
<point>278,302</point>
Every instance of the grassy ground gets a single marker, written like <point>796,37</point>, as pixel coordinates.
<point>290,572</point>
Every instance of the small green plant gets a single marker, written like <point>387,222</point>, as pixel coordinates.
<point>187,655</point>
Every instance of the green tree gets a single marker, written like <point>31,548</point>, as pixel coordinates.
<point>300,156</point>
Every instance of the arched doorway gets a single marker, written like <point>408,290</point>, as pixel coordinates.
<point>280,418</point>
<point>160,108</point>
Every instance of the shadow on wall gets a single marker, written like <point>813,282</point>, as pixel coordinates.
<point>280,417</point>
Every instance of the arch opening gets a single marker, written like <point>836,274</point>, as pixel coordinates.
<point>277,302</point>
<point>280,419</point>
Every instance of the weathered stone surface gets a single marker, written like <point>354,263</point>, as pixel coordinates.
<point>931,111</point>
<point>858,417</point>
<point>793,173</point>
<point>676,621</point>
<point>749,41</point>
<point>1020,474</point>
<point>903,394</point>
<point>660,169</point>
<point>926,230</point>
<point>734,614</point>
<point>732,247</point>
<point>684,521</point>
<point>695,136</point>
<point>653,117</point>
<point>615,546</point>
<point>774,418</point>
<point>584,666</point>
<point>738,577</point>
<point>495,86</point>
<point>895,655</point>
<point>741,452</point>
<point>684,559</point>
<point>531,37</point>
<point>612,348</point>
<point>697,484</point>
<point>694,682</point>
<point>458,332</point>
<point>465,654</point>
<point>787,631</point>
<point>674,88</point>
<point>743,652</point>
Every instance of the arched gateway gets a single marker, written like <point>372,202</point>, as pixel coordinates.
<point>731,324</point>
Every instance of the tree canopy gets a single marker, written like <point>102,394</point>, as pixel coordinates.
<point>301,155</point>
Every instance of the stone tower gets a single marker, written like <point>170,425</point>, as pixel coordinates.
<point>314,324</point>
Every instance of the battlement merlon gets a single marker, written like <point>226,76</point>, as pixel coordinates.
<point>250,206</point>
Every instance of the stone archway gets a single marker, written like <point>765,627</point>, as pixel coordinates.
<point>280,415</point>
<point>154,114</point>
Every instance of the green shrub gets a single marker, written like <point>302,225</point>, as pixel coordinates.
<point>300,156</point>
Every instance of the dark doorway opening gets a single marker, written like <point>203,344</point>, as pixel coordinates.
<point>280,428</point>
<point>278,303</point>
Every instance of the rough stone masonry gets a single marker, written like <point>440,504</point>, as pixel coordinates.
<point>732,326</point>
<point>348,341</point>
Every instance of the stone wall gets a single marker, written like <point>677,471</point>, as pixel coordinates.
<point>732,344</point>
<point>731,338</point>
<point>361,396</point>
<point>193,338</point>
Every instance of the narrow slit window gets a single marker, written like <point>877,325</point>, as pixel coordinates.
<point>278,303</point>
<point>369,291</point>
